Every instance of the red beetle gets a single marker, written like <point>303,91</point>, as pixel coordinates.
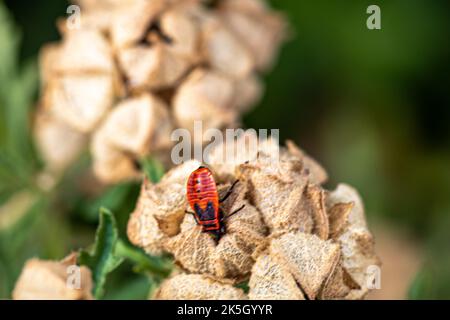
<point>204,200</point>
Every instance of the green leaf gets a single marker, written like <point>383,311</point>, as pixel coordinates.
<point>19,101</point>
<point>114,197</point>
<point>10,39</point>
<point>157,267</point>
<point>131,287</point>
<point>154,170</point>
<point>17,89</point>
<point>102,260</point>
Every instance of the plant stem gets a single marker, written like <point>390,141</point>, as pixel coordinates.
<point>158,266</point>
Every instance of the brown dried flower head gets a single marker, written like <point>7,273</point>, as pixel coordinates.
<point>292,240</point>
<point>132,70</point>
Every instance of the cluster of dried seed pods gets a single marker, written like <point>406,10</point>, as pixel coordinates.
<point>293,239</point>
<point>132,70</point>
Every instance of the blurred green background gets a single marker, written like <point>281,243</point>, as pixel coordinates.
<point>373,106</point>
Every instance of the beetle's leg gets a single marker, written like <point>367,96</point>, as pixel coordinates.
<point>234,212</point>
<point>229,192</point>
<point>193,214</point>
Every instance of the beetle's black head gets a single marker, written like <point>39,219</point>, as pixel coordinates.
<point>217,234</point>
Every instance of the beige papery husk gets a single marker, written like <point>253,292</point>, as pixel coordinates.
<point>197,287</point>
<point>49,280</point>
<point>137,127</point>
<point>190,55</point>
<point>292,240</point>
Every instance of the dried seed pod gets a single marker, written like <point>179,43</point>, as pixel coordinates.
<point>226,157</point>
<point>208,96</point>
<point>110,164</point>
<point>259,29</point>
<point>132,19</point>
<point>197,287</point>
<point>84,50</point>
<point>277,188</point>
<point>271,280</point>
<point>249,91</point>
<point>80,100</point>
<point>313,205</point>
<point>338,216</point>
<point>42,280</point>
<point>143,229</point>
<point>317,173</point>
<point>308,258</point>
<point>354,238</point>
<point>58,144</point>
<point>138,125</point>
<point>181,27</point>
<point>224,51</point>
<point>160,209</point>
<point>152,67</point>
<point>335,286</point>
<point>47,57</point>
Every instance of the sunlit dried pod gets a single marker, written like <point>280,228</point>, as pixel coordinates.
<point>206,96</point>
<point>99,14</point>
<point>224,51</point>
<point>110,164</point>
<point>316,172</point>
<point>261,30</point>
<point>197,287</point>
<point>92,5</point>
<point>47,57</point>
<point>276,186</point>
<point>154,67</point>
<point>182,30</point>
<point>80,100</point>
<point>49,280</point>
<point>355,239</point>
<point>58,144</point>
<point>138,125</point>
<point>226,157</point>
<point>251,6</point>
<point>249,91</point>
<point>271,280</point>
<point>308,258</point>
<point>132,19</point>
<point>84,50</point>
